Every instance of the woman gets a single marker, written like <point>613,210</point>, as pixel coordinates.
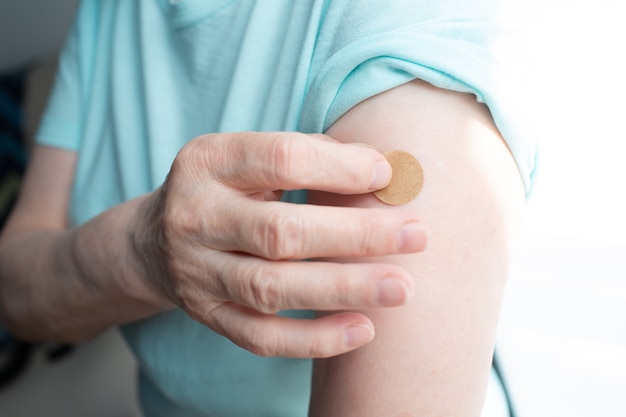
<point>124,220</point>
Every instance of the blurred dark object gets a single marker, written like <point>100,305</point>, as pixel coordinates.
<point>15,356</point>
<point>12,149</point>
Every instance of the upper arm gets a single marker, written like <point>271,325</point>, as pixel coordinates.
<point>45,191</point>
<point>432,356</point>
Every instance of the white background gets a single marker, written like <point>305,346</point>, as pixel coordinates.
<point>563,331</point>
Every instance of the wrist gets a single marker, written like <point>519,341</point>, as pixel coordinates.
<point>149,279</point>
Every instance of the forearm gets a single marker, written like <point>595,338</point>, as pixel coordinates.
<point>209,242</point>
<point>70,284</point>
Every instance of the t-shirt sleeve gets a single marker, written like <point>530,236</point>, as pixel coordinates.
<point>62,121</point>
<point>371,49</point>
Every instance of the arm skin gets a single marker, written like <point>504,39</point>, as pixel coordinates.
<point>50,290</point>
<point>432,356</point>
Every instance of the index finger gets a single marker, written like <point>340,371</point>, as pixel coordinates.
<point>289,161</point>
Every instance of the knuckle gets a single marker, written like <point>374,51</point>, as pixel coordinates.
<point>345,293</point>
<point>368,241</point>
<point>286,158</point>
<point>281,154</point>
<point>377,234</point>
<point>280,235</point>
<point>189,155</point>
<point>191,299</point>
<point>202,157</point>
<point>263,291</point>
<point>206,316</point>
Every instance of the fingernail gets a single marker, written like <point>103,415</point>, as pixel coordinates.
<point>391,292</point>
<point>381,175</point>
<point>411,238</point>
<point>358,335</point>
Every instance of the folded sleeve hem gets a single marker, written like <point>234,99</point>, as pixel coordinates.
<point>376,64</point>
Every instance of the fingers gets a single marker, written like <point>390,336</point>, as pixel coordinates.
<point>269,287</point>
<point>222,205</point>
<point>288,161</point>
<point>275,230</point>
<point>272,335</point>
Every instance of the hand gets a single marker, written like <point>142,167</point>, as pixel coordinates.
<point>221,246</point>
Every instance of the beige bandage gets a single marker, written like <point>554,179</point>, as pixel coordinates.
<point>407,179</point>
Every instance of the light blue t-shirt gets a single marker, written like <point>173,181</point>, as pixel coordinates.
<point>139,79</point>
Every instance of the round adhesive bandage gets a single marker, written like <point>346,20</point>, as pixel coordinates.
<point>406,181</point>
